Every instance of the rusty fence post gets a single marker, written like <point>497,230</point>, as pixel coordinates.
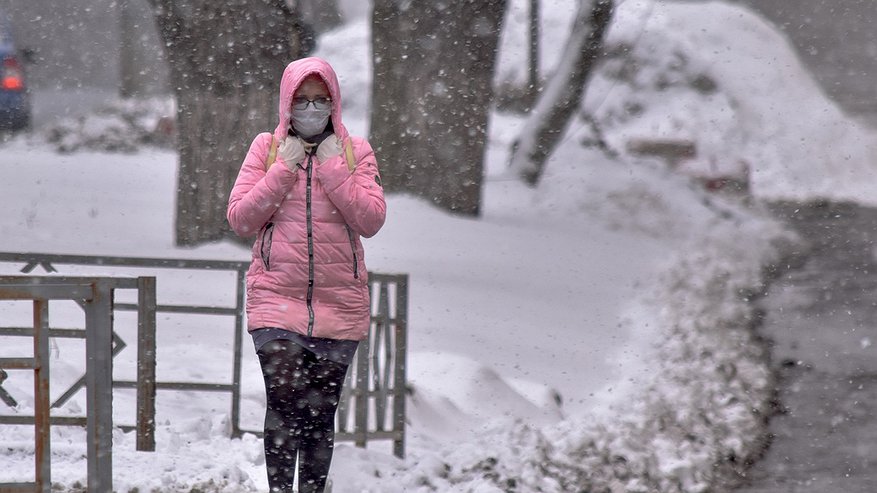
<point>42,406</point>
<point>146,302</point>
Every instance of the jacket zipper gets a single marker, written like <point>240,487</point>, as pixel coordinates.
<point>265,246</point>
<point>310,226</point>
<point>353,249</point>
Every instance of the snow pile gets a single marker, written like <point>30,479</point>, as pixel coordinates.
<point>685,418</point>
<point>719,76</point>
<point>703,418</point>
<point>120,125</point>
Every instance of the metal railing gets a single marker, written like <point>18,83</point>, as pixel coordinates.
<point>49,261</point>
<point>372,406</point>
<point>377,378</point>
<point>95,295</point>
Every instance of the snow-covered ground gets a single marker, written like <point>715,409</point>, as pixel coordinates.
<point>590,334</point>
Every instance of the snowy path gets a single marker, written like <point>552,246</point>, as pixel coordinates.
<point>821,320</point>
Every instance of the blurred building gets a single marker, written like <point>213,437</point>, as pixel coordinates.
<point>83,43</point>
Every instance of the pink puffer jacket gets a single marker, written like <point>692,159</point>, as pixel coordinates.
<point>324,294</point>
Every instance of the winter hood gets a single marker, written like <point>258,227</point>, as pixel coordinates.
<point>293,75</point>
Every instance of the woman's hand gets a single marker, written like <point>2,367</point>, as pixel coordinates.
<point>329,148</point>
<point>291,151</point>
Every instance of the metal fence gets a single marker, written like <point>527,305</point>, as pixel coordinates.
<point>95,295</point>
<point>376,381</point>
<point>373,399</point>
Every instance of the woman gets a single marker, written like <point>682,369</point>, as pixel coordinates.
<point>307,286</point>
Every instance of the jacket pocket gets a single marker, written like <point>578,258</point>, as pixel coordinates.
<point>353,249</point>
<point>265,245</point>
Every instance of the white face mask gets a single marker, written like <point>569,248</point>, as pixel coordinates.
<point>310,121</point>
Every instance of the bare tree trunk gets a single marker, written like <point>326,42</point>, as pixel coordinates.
<point>561,97</point>
<point>433,70</point>
<point>321,15</point>
<point>128,86</point>
<point>142,65</point>
<point>226,59</point>
<point>533,59</point>
<point>214,136</point>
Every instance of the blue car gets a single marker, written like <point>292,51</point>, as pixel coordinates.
<point>14,98</point>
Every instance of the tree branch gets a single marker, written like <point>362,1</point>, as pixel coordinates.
<point>561,97</point>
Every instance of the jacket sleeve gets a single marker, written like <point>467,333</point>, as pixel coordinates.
<point>256,195</point>
<point>358,196</point>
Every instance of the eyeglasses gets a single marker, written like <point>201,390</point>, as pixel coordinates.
<point>320,103</point>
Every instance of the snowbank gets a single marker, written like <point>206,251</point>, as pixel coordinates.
<point>720,76</point>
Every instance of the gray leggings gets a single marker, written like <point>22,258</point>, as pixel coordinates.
<point>303,392</point>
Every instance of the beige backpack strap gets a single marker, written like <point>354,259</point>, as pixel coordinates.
<point>348,153</point>
<point>272,153</point>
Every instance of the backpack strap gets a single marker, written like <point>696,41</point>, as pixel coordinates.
<point>272,153</point>
<point>348,153</point>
